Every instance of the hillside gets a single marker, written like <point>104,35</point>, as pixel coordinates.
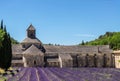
<point>109,38</point>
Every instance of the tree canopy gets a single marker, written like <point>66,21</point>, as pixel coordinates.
<point>109,38</point>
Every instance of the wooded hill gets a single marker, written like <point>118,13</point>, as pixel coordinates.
<point>109,38</point>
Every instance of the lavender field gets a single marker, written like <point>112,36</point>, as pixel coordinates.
<point>66,74</point>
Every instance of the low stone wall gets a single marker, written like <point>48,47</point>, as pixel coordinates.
<point>94,60</point>
<point>17,65</point>
<point>65,60</point>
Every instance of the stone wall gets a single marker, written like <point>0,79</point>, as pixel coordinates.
<point>65,60</point>
<point>71,56</point>
<point>33,60</point>
<point>17,56</point>
<point>17,63</point>
<point>53,62</point>
<point>94,60</point>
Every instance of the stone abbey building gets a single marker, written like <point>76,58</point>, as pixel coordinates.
<point>31,52</point>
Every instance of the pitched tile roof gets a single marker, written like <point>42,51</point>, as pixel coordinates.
<point>17,49</point>
<point>31,27</point>
<point>31,40</point>
<point>65,56</point>
<point>33,50</point>
<point>77,49</point>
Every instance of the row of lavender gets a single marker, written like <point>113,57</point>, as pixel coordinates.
<point>67,74</point>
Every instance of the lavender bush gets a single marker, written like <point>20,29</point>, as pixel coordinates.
<point>67,74</point>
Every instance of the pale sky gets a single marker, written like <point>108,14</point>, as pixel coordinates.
<point>65,22</point>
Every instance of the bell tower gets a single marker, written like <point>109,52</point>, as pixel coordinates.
<point>31,32</point>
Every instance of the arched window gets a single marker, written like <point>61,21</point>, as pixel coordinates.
<point>104,60</point>
<point>95,60</point>
<point>31,34</point>
<point>87,60</point>
<point>34,62</point>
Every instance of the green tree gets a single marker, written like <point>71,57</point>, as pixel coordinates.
<point>1,24</point>
<point>109,38</point>
<point>2,33</point>
<point>82,43</point>
<point>5,48</point>
<point>13,41</point>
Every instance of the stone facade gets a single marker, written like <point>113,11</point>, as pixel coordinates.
<point>116,57</point>
<point>65,60</point>
<point>31,52</point>
<point>36,55</point>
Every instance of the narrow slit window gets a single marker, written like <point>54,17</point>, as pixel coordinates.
<point>34,62</point>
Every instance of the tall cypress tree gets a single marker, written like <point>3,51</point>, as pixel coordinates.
<point>1,24</point>
<point>1,46</point>
<point>1,57</point>
<point>5,50</point>
<point>9,49</point>
<point>2,33</point>
<point>5,45</point>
